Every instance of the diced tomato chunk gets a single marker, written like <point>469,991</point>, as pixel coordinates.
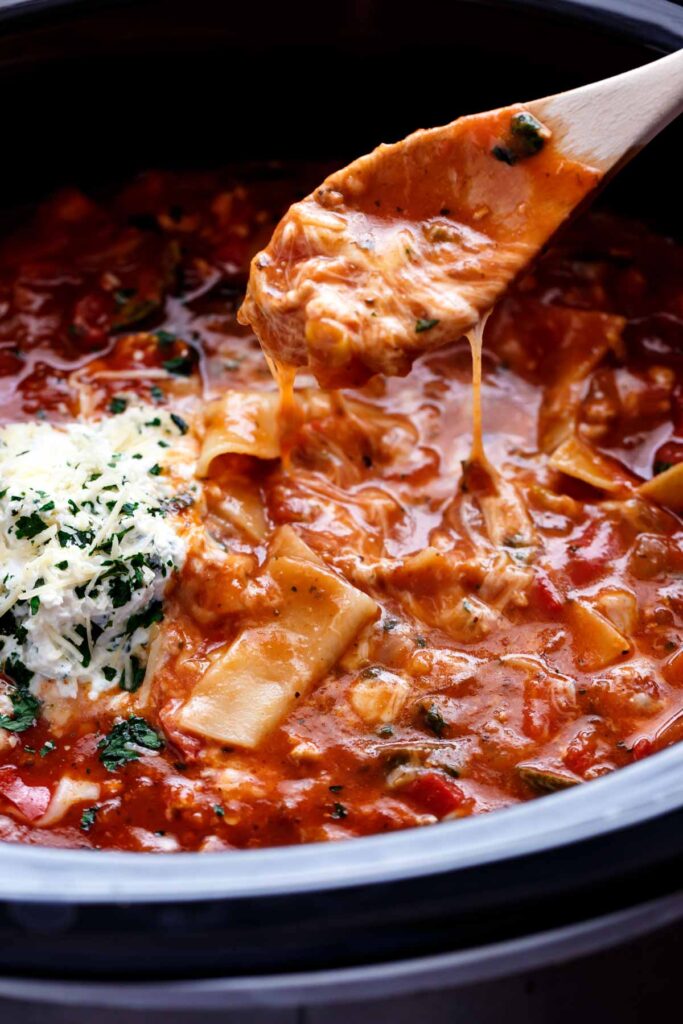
<point>32,801</point>
<point>581,751</point>
<point>643,748</point>
<point>545,594</point>
<point>592,552</point>
<point>436,794</point>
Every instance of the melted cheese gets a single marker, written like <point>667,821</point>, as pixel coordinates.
<point>89,537</point>
<point>475,336</point>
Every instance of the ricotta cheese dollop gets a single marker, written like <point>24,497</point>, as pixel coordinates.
<point>89,537</point>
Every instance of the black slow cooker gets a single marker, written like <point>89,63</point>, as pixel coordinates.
<point>93,90</point>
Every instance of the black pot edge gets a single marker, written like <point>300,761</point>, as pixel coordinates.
<point>443,971</point>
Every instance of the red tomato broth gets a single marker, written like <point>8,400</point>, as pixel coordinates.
<point>372,483</point>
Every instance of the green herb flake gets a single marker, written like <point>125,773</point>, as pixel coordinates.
<point>133,681</point>
<point>339,812</point>
<point>528,134</point>
<point>165,337</point>
<point>25,709</point>
<point>181,366</point>
<point>434,720</point>
<point>83,647</point>
<point>88,818</point>
<point>180,423</point>
<point>117,747</point>
<point>425,324</point>
<point>144,619</point>
<point>18,672</point>
<point>526,137</point>
<point>47,748</point>
<point>117,405</point>
<point>29,526</point>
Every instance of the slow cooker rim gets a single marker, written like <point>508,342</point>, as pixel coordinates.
<point>610,804</point>
<point>341,985</point>
<point>619,801</point>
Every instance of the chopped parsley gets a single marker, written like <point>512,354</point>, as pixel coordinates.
<point>182,366</point>
<point>17,672</point>
<point>180,423</point>
<point>88,818</point>
<point>526,137</point>
<point>117,748</point>
<point>117,405</point>
<point>25,708</point>
<point>528,134</point>
<point>153,613</point>
<point>133,680</point>
<point>165,337</point>
<point>83,647</point>
<point>433,719</point>
<point>29,526</point>
<point>425,324</point>
<point>77,538</point>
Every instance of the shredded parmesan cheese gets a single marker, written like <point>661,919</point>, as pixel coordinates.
<point>89,537</point>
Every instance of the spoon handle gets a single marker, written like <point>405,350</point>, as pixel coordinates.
<point>605,123</point>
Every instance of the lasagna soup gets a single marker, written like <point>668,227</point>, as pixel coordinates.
<point>234,615</point>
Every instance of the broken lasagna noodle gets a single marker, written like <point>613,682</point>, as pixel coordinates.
<point>229,622</point>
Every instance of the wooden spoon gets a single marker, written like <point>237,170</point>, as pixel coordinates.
<point>407,247</point>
